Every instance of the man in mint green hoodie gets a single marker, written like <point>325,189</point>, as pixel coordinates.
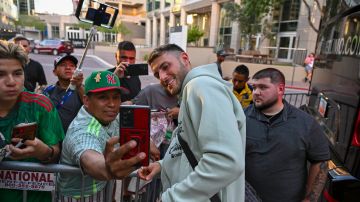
<point>212,123</point>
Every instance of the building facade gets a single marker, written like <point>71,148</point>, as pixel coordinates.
<point>289,25</point>
<point>25,7</point>
<point>8,16</point>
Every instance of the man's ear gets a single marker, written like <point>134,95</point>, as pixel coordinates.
<point>185,58</point>
<point>281,88</point>
<point>86,100</point>
<point>117,55</point>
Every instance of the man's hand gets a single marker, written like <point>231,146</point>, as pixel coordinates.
<point>154,152</point>
<point>77,80</point>
<point>173,112</point>
<point>120,69</point>
<point>32,149</point>
<point>40,89</point>
<point>148,173</point>
<point>227,78</point>
<point>117,167</point>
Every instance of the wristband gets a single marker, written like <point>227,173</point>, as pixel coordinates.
<point>50,156</point>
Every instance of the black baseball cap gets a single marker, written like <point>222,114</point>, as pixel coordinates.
<point>222,53</point>
<point>59,59</point>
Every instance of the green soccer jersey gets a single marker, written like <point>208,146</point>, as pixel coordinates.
<point>29,108</point>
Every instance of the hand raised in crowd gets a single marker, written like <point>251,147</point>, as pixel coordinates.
<point>173,112</point>
<point>149,172</point>
<point>40,89</point>
<point>77,79</point>
<point>154,152</point>
<point>120,69</point>
<point>32,149</point>
<point>117,167</point>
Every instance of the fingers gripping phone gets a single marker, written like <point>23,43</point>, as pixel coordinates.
<point>135,125</point>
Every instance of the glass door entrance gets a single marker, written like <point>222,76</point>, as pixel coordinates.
<point>286,45</point>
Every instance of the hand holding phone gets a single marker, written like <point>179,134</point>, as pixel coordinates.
<point>116,167</point>
<point>135,125</point>
<point>23,131</point>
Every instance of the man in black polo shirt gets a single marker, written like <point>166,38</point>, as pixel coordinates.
<point>280,141</point>
<point>125,55</point>
<point>68,103</point>
<point>34,72</point>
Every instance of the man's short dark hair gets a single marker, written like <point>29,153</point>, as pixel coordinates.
<point>242,69</point>
<point>275,75</point>
<point>21,38</point>
<point>126,45</point>
<point>159,51</point>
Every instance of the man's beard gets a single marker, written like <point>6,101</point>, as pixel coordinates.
<point>179,79</point>
<point>266,105</point>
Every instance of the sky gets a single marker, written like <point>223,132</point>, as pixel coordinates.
<point>63,7</point>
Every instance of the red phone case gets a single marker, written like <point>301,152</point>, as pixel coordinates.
<point>135,125</point>
<point>26,131</point>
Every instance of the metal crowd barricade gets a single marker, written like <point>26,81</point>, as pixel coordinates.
<point>49,169</point>
<point>296,99</point>
<point>143,194</point>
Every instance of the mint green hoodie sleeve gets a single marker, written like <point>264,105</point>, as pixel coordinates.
<point>212,122</point>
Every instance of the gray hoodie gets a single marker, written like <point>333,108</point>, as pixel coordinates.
<point>212,122</point>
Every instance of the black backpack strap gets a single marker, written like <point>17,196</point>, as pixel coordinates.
<point>193,162</point>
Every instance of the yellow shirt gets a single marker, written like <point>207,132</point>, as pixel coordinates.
<point>245,96</point>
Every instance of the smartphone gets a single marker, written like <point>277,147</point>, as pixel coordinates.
<point>25,131</point>
<point>137,69</point>
<point>135,125</point>
<point>96,13</point>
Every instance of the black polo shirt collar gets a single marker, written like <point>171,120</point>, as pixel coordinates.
<point>287,112</point>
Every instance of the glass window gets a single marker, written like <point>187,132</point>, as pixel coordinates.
<point>225,29</point>
<point>157,4</point>
<point>288,26</point>
<point>55,32</point>
<point>291,9</point>
<point>167,3</point>
<point>149,5</point>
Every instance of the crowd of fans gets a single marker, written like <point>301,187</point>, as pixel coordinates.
<point>238,132</point>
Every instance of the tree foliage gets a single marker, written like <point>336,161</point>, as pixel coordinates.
<point>194,34</point>
<point>250,15</point>
<point>31,21</point>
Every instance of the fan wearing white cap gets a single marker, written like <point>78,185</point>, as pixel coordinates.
<point>68,103</point>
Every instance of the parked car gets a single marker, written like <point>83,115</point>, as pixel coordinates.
<point>54,46</point>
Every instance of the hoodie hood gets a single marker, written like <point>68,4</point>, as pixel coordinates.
<point>210,70</point>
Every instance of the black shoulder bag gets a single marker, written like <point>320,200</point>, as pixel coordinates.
<point>193,162</point>
<point>250,193</point>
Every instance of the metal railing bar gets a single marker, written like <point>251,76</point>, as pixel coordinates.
<point>38,167</point>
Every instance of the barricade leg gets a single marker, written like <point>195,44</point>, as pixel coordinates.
<point>24,195</point>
